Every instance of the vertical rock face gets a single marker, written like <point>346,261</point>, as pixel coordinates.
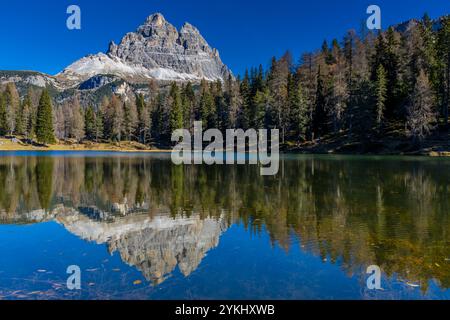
<point>155,50</point>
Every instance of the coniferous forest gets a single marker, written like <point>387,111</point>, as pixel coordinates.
<point>359,93</point>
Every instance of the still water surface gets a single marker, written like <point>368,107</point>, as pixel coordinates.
<point>142,228</point>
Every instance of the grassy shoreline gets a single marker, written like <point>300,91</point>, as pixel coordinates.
<point>133,147</point>
<point>8,145</point>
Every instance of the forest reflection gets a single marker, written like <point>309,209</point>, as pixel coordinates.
<point>355,211</point>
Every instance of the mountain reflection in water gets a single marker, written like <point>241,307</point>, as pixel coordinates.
<point>348,211</point>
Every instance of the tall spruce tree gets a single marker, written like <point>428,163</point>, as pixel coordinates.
<point>206,106</point>
<point>245,111</point>
<point>298,108</point>
<point>381,90</point>
<point>176,113</point>
<point>188,105</point>
<point>44,120</point>
<point>421,115</point>
<point>319,117</point>
<point>12,107</point>
<point>89,123</point>
<point>130,121</point>
<point>29,116</point>
<point>3,119</point>
<point>443,49</point>
<point>99,128</point>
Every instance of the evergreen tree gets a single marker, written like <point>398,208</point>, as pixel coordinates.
<point>206,106</point>
<point>130,121</point>
<point>77,122</point>
<point>261,103</point>
<point>244,117</point>
<point>222,111</point>
<point>90,123</point>
<point>144,119</point>
<point>21,120</point>
<point>29,116</point>
<point>349,49</point>
<point>115,117</point>
<point>443,49</point>
<point>3,119</point>
<point>232,99</point>
<point>12,107</point>
<point>106,114</point>
<point>176,112</point>
<point>188,103</point>
<point>429,48</point>
<point>338,91</point>
<point>319,116</point>
<point>381,91</point>
<point>391,65</point>
<point>44,120</point>
<point>300,108</point>
<point>326,53</point>
<point>420,117</point>
<point>99,128</point>
<point>278,86</point>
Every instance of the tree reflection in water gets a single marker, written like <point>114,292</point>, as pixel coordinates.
<point>392,212</point>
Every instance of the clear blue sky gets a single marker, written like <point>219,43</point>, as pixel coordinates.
<point>34,36</point>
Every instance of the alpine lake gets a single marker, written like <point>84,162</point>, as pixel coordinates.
<point>140,227</point>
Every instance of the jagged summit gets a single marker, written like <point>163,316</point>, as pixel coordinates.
<point>156,19</point>
<point>156,50</point>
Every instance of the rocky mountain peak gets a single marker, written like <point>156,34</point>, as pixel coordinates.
<point>156,19</point>
<point>189,28</point>
<point>156,26</point>
<point>156,50</point>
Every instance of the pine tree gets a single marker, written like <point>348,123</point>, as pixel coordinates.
<point>348,51</point>
<point>420,116</point>
<point>29,117</point>
<point>443,49</point>
<point>99,127</point>
<point>338,87</point>
<point>278,86</point>
<point>188,103</point>
<point>429,48</point>
<point>319,116</point>
<point>299,116</point>
<point>244,117</point>
<point>130,121</point>
<point>20,120</point>
<point>381,91</point>
<point>143,118</point>
<point>391,65</point>
<point>206,106</point>
<point>222,111</point>
<point>12,107</point>
<point>44,120</point>
<point>115,118</point>
<point>326,53</point>
<point>77,121</point>
<point>232,99</point>
<point>159,117</point>
<point>176,113</point>
<point>3,119</point>
<point>89,123</point>
<point>307,76</point>
<point>105,111</point>
<point>260,104</point>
